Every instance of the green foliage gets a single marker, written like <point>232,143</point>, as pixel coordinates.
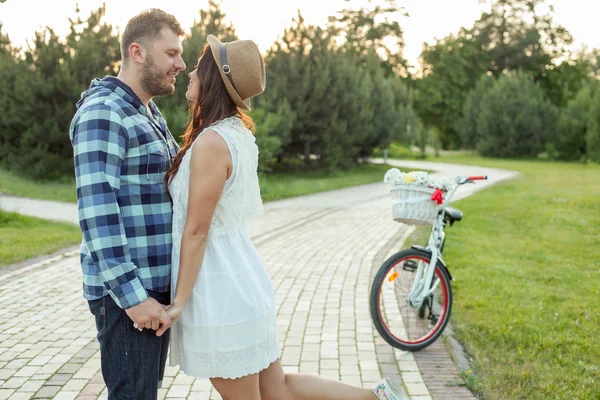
<point>421,135</point>
<point>211,21</point>
<point>515,119</point>
<point>592,136</point>
<point>467,126</point>
<point>515,35</point>
<point>273,129</point>
<point>564,81</point>
<point>40,99</point>
<point>521,35</point>
<point>345,103</point>
<point>398,150</point>
<point>452,67</point>
<point>331,98</point>
<point>10,67</point>
<point>573,125</point>
<point>372,31</point>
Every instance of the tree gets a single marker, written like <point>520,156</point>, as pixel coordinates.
<point>373,30</point>
<point>451,67</point>
<point>10,122</point>
<point>521,35</point>
<point>575,120</point>
<point>211,22</point>
<point>592,136</point>
<point>386,121</point>
<point>273,130</point>
<point>515,118</point>
<point>299,70</point>
<point>563,81</point>
<point>354,91</point>
<point>515,35</point>
<point>50,78</point>
<point>403,108</point>
<point>467,126</point>
<point>93,48</point>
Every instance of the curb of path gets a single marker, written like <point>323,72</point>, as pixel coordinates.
<point>443,364</point>
<point>440,364</point>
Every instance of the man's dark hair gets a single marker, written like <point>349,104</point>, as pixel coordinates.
<point>145,28</point>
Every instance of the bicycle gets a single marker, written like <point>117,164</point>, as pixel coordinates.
<point>410,300</point>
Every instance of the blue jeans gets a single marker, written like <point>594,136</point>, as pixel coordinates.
<point>133,362</point>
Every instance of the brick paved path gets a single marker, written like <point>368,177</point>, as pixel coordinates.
<point>321,252</point>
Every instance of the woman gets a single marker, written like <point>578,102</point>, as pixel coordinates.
<point>223,300</point>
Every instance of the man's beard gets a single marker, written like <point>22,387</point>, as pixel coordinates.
<point>152,80</point>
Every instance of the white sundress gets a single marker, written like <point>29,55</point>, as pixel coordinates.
<point>228,328</point>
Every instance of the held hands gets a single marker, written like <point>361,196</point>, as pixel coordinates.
<point>150,314</point>
<point>174,311</point>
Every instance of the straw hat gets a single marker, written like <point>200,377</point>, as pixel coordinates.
<point>242,69</point>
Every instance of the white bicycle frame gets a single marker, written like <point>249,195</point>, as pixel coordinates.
<point>422,286</point>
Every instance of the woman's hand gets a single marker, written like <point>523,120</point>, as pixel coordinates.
<point>174,311</point>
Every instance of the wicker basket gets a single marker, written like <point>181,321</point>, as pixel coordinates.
<point>412,204</point>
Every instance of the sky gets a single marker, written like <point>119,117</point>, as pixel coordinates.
<point>263,21</point>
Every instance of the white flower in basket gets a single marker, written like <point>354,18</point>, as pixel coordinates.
<point>412,193</point>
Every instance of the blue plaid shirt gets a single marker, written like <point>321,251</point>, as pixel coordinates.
<point>121,155</point>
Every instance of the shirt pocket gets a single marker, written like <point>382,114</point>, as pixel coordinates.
<point>157,162</point>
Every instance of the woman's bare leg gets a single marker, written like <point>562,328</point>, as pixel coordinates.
<point>275,384</point>
<point>245,388</point>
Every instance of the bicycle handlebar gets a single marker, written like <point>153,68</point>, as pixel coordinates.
<point>477,178</point>
<point>460,180</point>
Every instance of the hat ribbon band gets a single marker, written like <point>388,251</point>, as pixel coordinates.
<point>225,66</point>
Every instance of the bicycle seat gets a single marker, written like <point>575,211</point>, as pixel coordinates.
<point>453,214</point>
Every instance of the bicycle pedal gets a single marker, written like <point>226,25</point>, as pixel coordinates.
<point>410,265</point>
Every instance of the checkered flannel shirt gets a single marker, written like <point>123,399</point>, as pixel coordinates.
<point>124,210</point>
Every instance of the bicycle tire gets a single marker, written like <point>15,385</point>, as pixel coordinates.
<point>445,306</point>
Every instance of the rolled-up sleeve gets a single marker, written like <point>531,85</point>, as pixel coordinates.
<point>99,145</point>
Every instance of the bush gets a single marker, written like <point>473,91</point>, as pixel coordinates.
<point>573,126</point>
<point>515,119</point>
<point>592,137</point>
<point>272,130</point>
<point>43,87</point>
<point>467,126</point>
<point>397,150</point>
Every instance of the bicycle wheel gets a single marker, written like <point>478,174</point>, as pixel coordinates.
<point>401,325</point>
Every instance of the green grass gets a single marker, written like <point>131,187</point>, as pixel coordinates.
<point>26,237</point>
<point>282,185</point>
<point>400,151</point>
<point>17,186</point>
<point>274,185</point>
<point>526,259</point>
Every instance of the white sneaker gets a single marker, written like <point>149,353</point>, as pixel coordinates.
<point>387,390</point>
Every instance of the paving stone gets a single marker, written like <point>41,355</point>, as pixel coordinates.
<point>47,392</point>
<point>321,252</point>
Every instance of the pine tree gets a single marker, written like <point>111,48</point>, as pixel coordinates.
<point>211,21</point>
<point>51,77</point>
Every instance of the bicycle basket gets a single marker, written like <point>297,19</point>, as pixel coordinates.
<point>412,204</point>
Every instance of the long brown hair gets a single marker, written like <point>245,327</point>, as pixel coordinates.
<point>212,105</point>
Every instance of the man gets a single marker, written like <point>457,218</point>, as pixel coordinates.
<point>122,149</point>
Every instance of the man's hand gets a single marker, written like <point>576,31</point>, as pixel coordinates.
<point>173,313</point>
<point>150,314</point>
